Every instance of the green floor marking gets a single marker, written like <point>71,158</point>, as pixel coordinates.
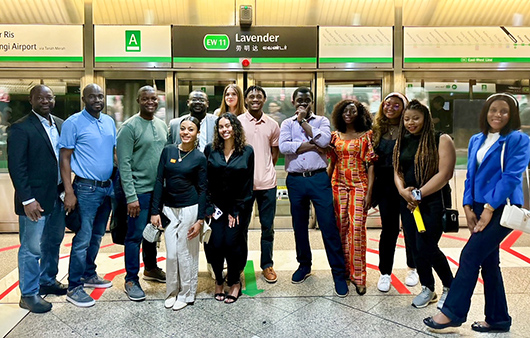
<point>251,289</point>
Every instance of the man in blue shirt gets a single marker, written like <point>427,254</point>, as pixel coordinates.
<point>303,139</point>
<point>33,160</point>
<point>87,145</point>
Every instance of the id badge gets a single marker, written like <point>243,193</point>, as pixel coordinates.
<point>217,213</point>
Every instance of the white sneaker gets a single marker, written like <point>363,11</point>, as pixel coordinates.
<point>384,283</point>
<point>170,301</point>
<point>179,305</point>
<point>441,302</point>
<point>412,278</point>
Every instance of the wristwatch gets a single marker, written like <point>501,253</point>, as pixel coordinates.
<point>303,121</point>
<point>489,207</point>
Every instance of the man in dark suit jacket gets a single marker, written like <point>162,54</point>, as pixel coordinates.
<point>33,162</point>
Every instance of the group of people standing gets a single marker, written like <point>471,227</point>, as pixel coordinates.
<point>207,170</point>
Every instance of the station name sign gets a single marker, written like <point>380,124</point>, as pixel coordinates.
<point>41,44</point>
<point>260,45</point>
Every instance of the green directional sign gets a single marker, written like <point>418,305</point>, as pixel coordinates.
<point>133,41</point>
<point>216,42</point>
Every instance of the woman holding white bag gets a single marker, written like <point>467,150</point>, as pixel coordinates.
<point>183,170</point>
<point>488,184</point>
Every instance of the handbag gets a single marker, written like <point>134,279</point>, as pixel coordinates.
<point>152,233</point>
<point>450,216</point>
<point>514,217</point>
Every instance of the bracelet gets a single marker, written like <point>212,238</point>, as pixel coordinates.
<point>303,121</point>
<point>489,207</point>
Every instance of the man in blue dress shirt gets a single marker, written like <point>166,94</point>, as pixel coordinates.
<point>303,139</point>
<point>87,144</point>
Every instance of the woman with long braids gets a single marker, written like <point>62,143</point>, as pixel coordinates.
<point>385,194</point>
<point>180,193</point>
<point>230,187</point>
<point>424,164</point>
<point>352,176</point>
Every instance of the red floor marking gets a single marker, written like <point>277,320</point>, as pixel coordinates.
<point>68,244</point>
<point>402,289</point>
<point>455,238</point>
<point>9,289</point>
<point>373,239</point>
<point>10,247</point>
<point>506,245</point>
<point>372,251</point>
<point>97,293</point>
<point>118,255</point>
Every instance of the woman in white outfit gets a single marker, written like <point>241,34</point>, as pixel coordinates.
<point>180,193</point>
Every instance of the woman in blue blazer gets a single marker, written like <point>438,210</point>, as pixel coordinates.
<point>486,188</point>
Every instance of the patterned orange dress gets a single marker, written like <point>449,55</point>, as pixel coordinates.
<point>350,184</point>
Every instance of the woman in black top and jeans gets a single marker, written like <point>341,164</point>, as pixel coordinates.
<point>230,187</point>
<point>424,163</point>
<point>180,193</point>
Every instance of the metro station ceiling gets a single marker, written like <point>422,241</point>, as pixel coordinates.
<point>270,12</point>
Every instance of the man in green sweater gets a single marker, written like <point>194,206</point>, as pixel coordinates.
<point>140,142</point>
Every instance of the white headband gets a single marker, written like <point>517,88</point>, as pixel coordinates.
<point>506,95</point>
<point>399,95</point>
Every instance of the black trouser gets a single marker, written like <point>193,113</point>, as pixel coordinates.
<point>230,244</point>
<point>424,246</point>
<point>388,198</point>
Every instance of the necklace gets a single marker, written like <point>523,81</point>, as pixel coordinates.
<point>181,158</point>
<point>391,130</point>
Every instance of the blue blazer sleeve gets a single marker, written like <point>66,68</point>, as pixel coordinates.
<point>516,157</point>
<point>471,170</point>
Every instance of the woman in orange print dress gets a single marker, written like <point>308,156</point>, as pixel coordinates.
<point>352,176</point>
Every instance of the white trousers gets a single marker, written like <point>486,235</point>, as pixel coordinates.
<point>182,266</point>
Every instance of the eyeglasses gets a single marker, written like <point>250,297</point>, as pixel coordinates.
<point>45,98</point>
<point>392,106</point>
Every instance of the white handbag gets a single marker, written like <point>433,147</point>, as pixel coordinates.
<point>514,217</point>
<point>152,233</point>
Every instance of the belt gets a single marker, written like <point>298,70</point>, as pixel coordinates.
<point>309,173</point>
<point>100,184</point>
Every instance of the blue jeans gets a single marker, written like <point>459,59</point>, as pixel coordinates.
<point>39,240</point>
<point>481,253</point>
<point>316,189</point>
<point>135,228</point>
<point>94,207</point>
<point>266,200</point>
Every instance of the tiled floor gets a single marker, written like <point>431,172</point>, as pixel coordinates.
<point>281,310</point>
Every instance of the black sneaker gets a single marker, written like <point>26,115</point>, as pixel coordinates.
<point>300,275</point>
<point>55,289</point>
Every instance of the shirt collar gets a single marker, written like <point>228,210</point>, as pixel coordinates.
<point>43,120</point>
<point>91,118</point>
<point>251,118</point>
<point>309,118</point>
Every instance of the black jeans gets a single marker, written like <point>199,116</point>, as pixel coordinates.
<point>424,246</point>
<point>388,198</point>
<point>266,200</point>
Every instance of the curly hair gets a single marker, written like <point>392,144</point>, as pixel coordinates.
<point>240,106</point>
<point>362,122</point>
<point>381,123</point>
<point>237,128</point>
<point>426,158</point>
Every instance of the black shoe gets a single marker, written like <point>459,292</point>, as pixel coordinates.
<point>54,289</point>
<point>479,327</point>
<point>434,325</point>
<point>300,275</point>
<point>35,304</point>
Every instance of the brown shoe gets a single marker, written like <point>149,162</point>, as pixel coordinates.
<point>270,275</point>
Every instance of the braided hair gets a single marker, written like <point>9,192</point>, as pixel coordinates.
<point>426,158</point>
